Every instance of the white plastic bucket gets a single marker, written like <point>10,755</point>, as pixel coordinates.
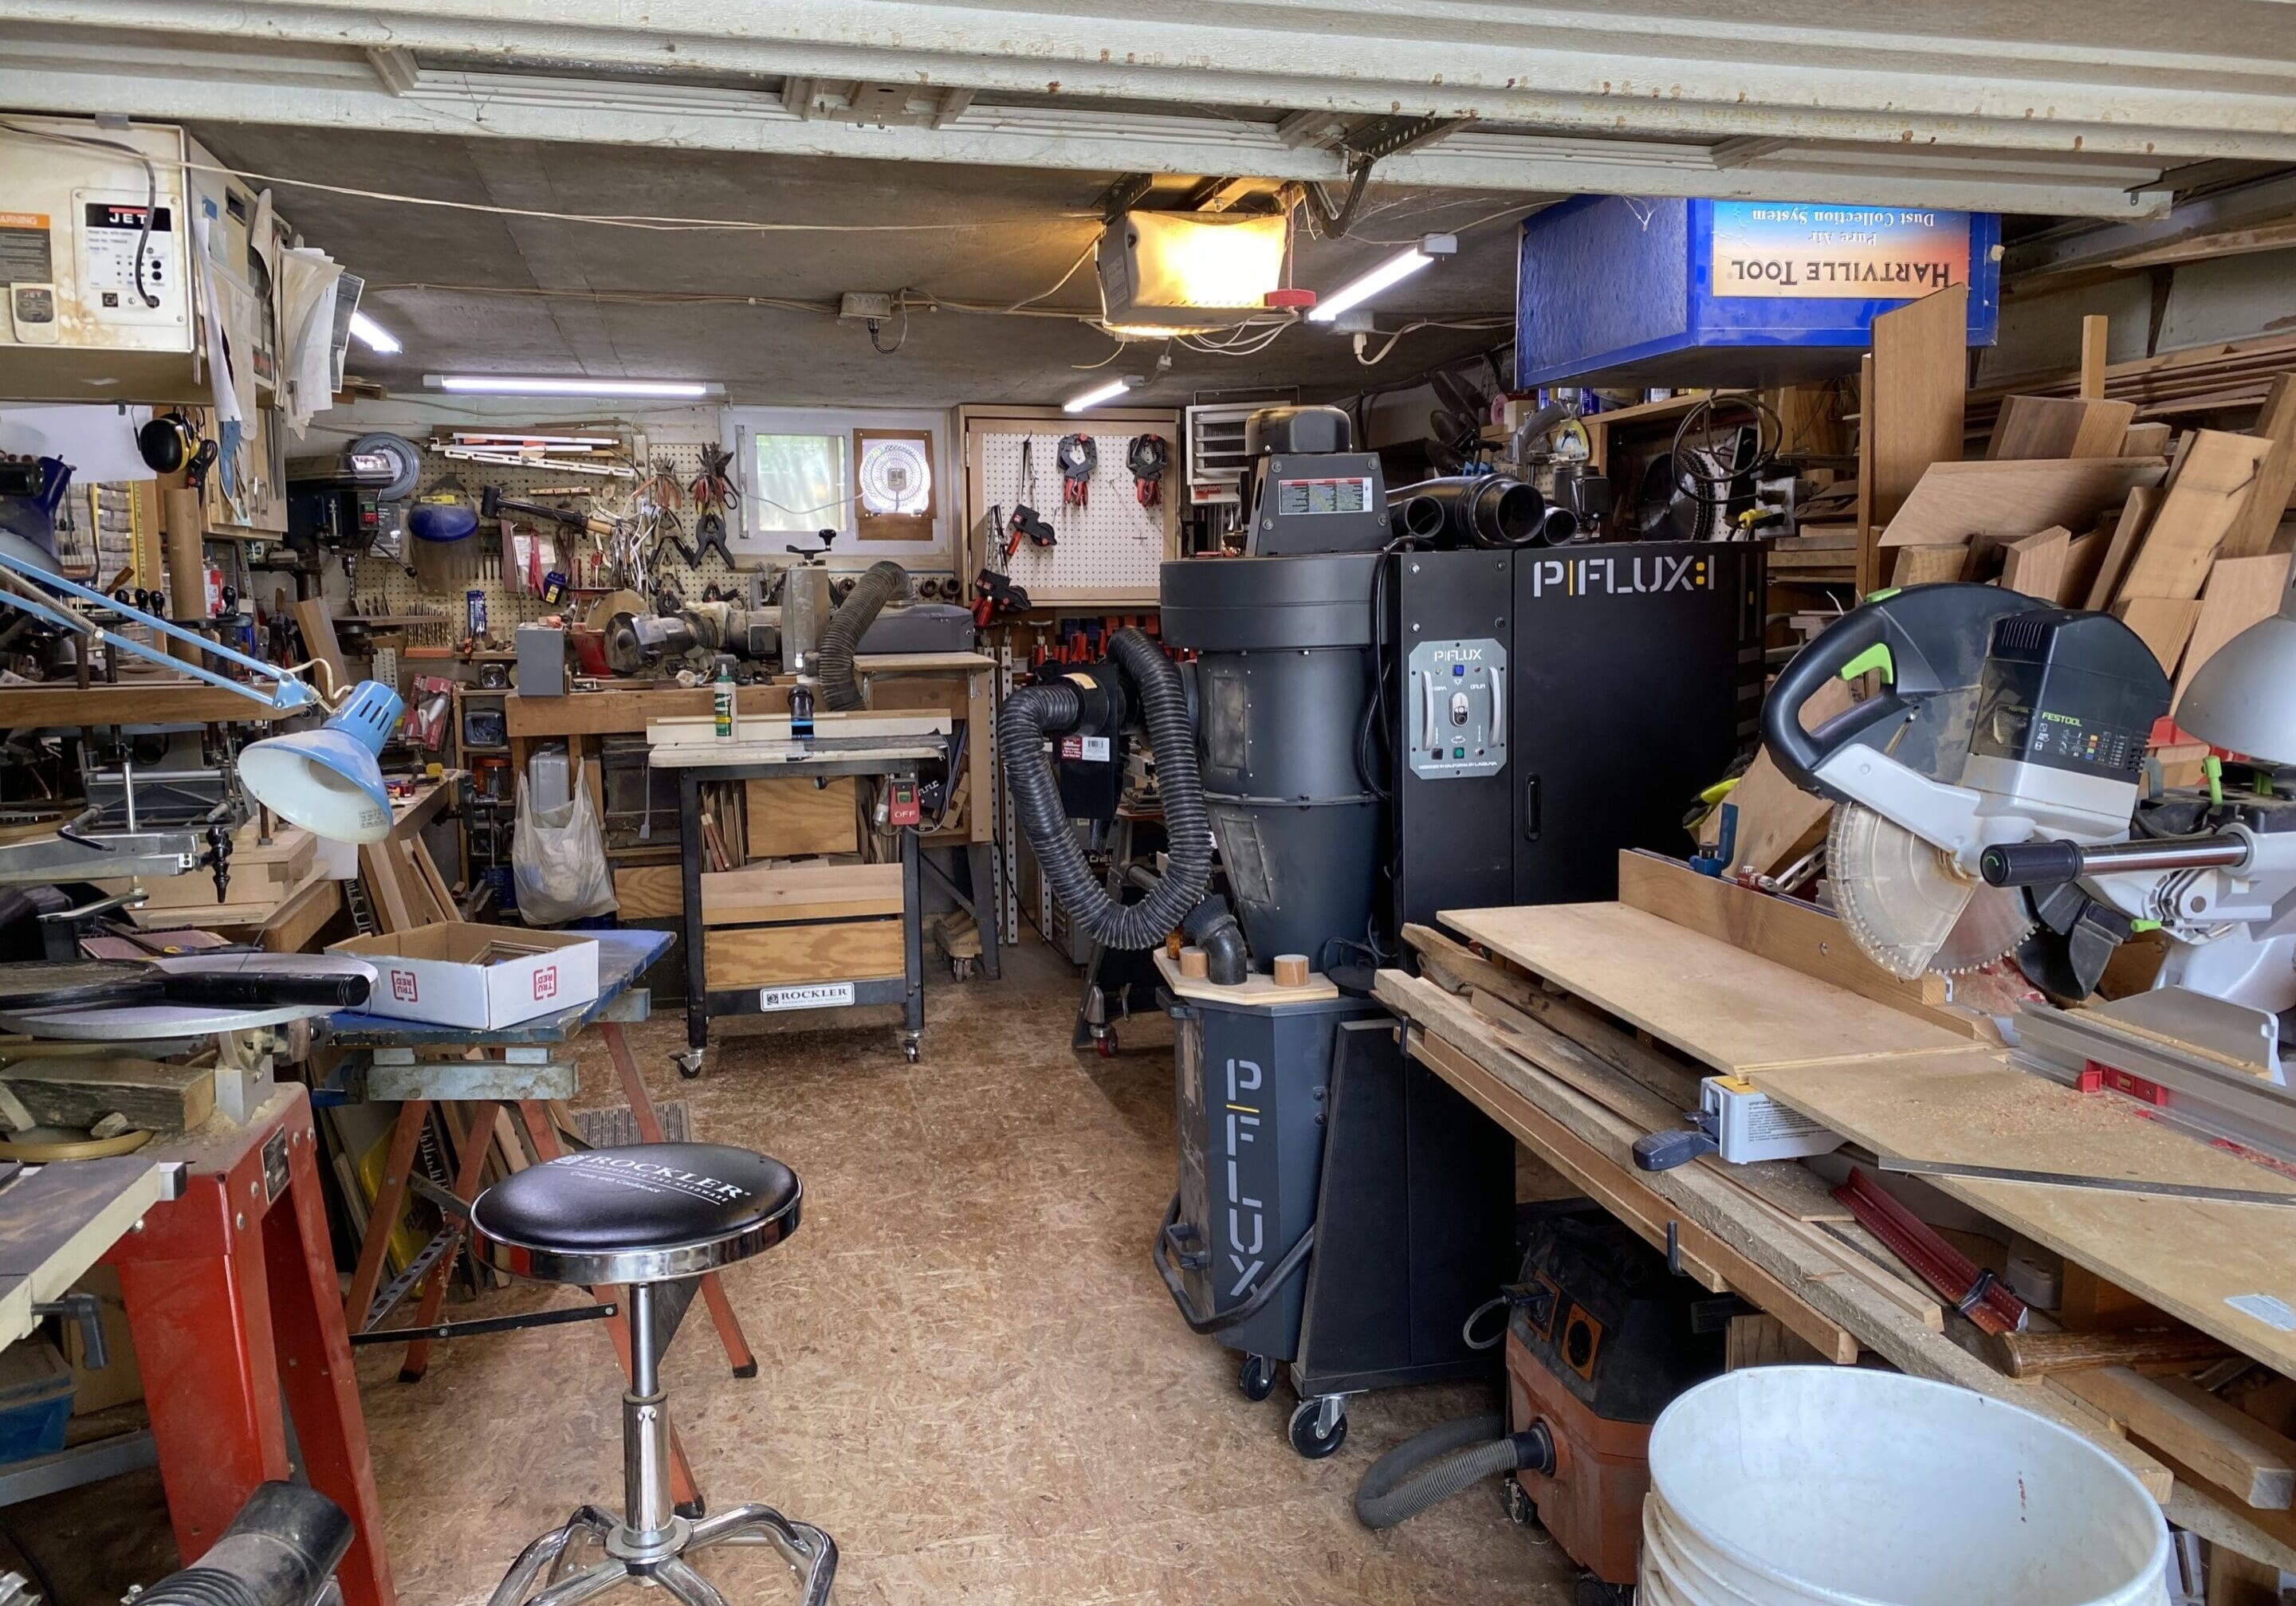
<point>1780,1486</point>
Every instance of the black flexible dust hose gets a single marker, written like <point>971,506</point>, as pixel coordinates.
<point>1438,1463</point>
<point>280,1551</point>
<point>1034,713</point>
<point>840,638</point>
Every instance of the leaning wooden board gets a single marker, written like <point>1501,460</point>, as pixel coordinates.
<point>1727,1008</point>
<point>1955,500</point>
<point>2192,1257</point>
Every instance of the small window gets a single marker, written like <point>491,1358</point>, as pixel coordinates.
<point>801,484</point>
<point>895,478</point>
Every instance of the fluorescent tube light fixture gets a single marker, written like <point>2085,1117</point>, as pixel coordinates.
<point>1102,393</point>
<point>373,336</point>
<point>506,384</point>
<point>1388,274</point>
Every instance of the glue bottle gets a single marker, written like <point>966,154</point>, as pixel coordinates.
<point>724,689</point>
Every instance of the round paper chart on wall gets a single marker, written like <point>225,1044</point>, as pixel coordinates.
<point>894,478</point>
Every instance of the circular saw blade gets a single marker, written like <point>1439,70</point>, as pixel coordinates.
<point>1909,906</point>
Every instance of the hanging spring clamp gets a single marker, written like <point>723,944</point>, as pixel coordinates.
<point>1026,523</point>
<point>1147,457</point>
<point>1077,456</point>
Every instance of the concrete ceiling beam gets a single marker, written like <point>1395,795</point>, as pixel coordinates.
<point>2204,79</point>
<point>305,87</point>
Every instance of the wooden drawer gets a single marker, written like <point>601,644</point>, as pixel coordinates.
<point>785,818</point>
<point>799,892</point>
<point>777,956</point>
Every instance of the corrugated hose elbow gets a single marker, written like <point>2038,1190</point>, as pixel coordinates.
<point>1033,713</point>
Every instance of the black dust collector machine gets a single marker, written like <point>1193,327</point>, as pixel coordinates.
<point>1352,737</point>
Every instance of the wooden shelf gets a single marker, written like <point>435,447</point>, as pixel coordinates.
<point>130,702</point>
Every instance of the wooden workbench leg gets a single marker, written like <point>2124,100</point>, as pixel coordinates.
<point>649,1126</point>
<point>469,1168</point>
<point>313,1352</point>
<point>543,1136</point>
<point>382,1215</point>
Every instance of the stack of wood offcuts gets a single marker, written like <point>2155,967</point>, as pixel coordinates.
<point>2077,504</point>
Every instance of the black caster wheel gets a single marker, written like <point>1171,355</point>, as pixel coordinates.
<point>1104,1046</point>
<point>1307,1418</point>
<point>1521,1510</point>
<point>1256,1377</point>
<point>1591,1591</point>
<point>689,1064</point>
<point>910,1051</point>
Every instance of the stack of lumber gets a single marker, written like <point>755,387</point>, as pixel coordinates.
<point>2070,506</point>
<point>2234,373</point>
<point>1580,1028</point>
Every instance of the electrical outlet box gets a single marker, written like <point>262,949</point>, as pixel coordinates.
<point>862,305</point>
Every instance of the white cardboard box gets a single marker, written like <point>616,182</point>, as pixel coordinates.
<point>487,976</point>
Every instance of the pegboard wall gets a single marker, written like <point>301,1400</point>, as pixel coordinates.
<point>389,589</point>
<point>1110,548</point>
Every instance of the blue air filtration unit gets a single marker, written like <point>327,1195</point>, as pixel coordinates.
<point>1627,291</point>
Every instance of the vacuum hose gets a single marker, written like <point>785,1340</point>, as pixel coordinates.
<point>1438,1463</point>
<point>840,638</point>
<point>1034,713</point>
<point>280,1551</point>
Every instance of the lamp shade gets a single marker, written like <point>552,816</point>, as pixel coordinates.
<point>2243,698</point>
<point>328,780</point>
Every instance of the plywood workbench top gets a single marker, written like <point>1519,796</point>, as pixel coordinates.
<point>1894,1083</point>
<point>1723,1006</point>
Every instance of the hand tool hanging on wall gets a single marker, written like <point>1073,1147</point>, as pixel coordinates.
<point>994,596</point>
<point>1077,456</point>
<point>709,533</point>
<point>714,489</point>
<point>494,505</point>
<point>1146,457</point>
<point>1027,522</point>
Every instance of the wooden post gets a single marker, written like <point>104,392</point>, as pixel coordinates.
<point>184,520</point>
<point>2095,329</point>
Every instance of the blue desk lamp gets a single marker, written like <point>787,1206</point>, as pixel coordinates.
<point>328,780</point>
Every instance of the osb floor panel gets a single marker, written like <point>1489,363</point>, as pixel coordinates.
<point>970,1376</point>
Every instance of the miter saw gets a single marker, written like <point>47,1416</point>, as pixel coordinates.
<point>1985,812</point>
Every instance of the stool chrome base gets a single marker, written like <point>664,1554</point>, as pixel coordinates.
<point>660,1559</point>
<point>650,1542</point>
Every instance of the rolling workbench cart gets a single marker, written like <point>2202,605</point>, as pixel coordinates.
<point>786,957</point>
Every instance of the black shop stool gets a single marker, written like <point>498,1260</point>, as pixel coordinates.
<point>652,1217</point>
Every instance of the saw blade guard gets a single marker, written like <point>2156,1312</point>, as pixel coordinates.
<point>1930,644</point>
<point>1909,906</point>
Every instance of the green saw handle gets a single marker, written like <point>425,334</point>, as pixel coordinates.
<point>1910,636</point>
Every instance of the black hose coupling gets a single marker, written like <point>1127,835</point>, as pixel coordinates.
<point>1534,1449</point>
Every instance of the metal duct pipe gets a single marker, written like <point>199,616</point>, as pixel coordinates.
<point>1486,510</point>
<point>1561,526</point>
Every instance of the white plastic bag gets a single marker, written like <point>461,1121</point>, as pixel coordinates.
<point>558,861</point>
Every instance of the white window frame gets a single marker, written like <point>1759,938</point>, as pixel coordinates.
<point>743,425</point>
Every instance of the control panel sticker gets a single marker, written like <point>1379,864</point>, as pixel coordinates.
<point>25,254</point>
<point>1350,494</point>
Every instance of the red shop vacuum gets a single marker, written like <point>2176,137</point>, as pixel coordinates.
<point>1600,1338</point>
